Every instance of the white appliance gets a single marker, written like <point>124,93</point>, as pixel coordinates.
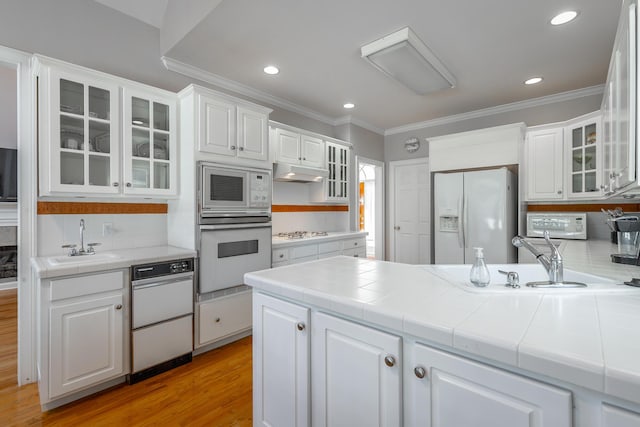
<point>475,209</point>
<point>234,192</point>
<point>562,226</point>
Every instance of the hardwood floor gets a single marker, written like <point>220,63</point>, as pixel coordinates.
<point>213,390</point>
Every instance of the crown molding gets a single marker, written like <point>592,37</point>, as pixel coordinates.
<point>514,106</point>
<point>228,84</point>
<point>349,119</point>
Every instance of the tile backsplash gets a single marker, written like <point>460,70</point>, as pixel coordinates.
<point>127,231</point>
<point>309,221</point>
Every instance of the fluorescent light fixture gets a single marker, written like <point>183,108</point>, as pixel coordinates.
<point>533,80</point>
<point>349,105</point>
<point>271,69</point>
<point>564,17</point>
<point>404,57</point>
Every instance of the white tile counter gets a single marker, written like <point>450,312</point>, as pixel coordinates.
<point>585,339</point>
<point>122,258</point>
<point>279,242</point>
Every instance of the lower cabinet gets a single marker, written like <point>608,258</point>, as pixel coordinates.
<point>448,390</point>
<point>613,416</point>
<point>223,317</point>
<point>302,252</point>
<point>313,368</point>
<point>82,332</point>
<point>355,374</point>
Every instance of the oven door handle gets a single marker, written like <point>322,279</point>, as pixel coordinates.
<point>159,281</point>
<point>235,226</point>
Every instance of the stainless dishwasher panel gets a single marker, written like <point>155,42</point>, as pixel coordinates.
<point>161,298</point>
<point>161,342</point>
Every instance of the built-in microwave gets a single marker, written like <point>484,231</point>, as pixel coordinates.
<point>230,192</point>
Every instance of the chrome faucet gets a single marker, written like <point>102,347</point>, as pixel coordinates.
<point>82,251</point>
<point>552,264</point>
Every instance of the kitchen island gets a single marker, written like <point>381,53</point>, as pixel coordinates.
<point>349,340</point>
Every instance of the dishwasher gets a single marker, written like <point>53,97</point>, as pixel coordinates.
<point>161,317</point>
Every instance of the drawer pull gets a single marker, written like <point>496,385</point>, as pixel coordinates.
<point>119,307</point>
<point>217,320</point>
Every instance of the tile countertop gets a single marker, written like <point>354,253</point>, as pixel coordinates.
<point>590,340</point>
<point>122,258</point>
<point>279,242</point>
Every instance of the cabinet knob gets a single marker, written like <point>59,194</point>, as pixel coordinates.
<point>116,184</point>
<point>281,255</point>
<point>233,147</point>
<point>397,227</point>
<point>559,191</point>
<point>300,326</point>
<point>241,148</point>
<point>128,184</point>
<point>119,307</point>
<point>304,158</point>
<point>217,320</point>
<point>299,158</point>
<point>420,372</point>
<point>390,361</point>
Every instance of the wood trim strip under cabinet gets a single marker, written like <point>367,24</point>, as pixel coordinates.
<point>584,207</point>
<point>309,208</point>
<point>65,208</point>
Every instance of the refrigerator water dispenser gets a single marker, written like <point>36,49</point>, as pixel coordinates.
<point>449,223</point>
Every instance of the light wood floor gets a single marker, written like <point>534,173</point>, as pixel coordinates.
<point>213,390</point>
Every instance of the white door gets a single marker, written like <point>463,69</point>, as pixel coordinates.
<point>312,151</point>
<point>409,207</point>
<point>288,149</point>
<point>217,130</point>
<point>356,374</point>
<point>280,363</point>
<point>443,390</point>
<point>86,343</point>
<point>544,151</point>
<point>253,139</point>
<point>448,241</point>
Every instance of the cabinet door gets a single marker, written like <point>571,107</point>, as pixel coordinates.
<point>288,149</point>
<point>445,390</point>
<point>280,363</point>
<point>356,374</point>
<point>312,151</point>
<point>338,160</point>
<point>618,417</point>
<point>253,140</point>
<point>223,317</point>
<point>150,144</point>
<point>583,149</point>
<point>544,164</point>
<point>607,139</point>
<point>78,134</point>
<point>217,126</point>
<point>86,343</point>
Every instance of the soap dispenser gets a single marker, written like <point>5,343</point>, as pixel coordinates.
<point>479,272</point>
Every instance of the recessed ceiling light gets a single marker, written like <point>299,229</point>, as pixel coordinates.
<point>564,17</point>
<point>533,80</point>
<point>271,69</point>
<point>349,105</point>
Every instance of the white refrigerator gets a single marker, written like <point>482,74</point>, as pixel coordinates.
<point>475,209</point>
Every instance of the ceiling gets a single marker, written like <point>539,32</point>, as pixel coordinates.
<point>490,46</point>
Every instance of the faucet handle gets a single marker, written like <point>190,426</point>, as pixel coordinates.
<point>68,246</point>
<point>72,249</point>
<point>91,247</point>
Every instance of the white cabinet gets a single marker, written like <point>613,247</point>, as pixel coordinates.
<point>613,416</point>
<point>356,374</point>
<point>447,390</point>
<point>544,166</point>
<point>150,144</point>
<point>229,127</point>
<point>223,317</point>
<point>564,160</point>
<point>334,188</point>
<point>83,320</point>
<point>584,158</point>
<point>281,368</point>
<point>619,106</point>
<point>84,149</point>
<point>309,251</point>
<point>299,149</point>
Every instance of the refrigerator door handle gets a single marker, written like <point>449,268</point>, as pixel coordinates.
<point>460,222</point>
<point>465,212</point>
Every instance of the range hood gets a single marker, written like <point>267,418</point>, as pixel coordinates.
<point>286,172</point>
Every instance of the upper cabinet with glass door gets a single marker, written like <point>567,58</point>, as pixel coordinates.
<point>583,145</point>
<point>150,143</point>
<point>78,133</point>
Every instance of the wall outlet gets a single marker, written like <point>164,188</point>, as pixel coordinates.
<point>107,229</point>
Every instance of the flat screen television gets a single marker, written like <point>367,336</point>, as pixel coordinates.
<point>8,175</point>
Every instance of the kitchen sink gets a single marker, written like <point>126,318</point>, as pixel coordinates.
<point>82,259</point>
<point>459,276</point>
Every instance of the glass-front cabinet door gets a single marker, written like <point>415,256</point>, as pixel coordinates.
<point>80,130</point>
<point>584,154</point>
<point>338,165</point>
<point>150,164</point>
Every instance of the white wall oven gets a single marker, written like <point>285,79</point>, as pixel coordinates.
<point>235,193</point>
